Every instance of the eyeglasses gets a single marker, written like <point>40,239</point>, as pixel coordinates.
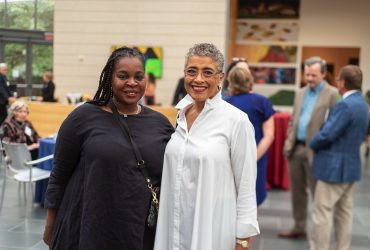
<point>239,59</point>
<point>206,74</point>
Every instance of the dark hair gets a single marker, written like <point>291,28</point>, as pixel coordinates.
<point>316,59</point>
<point>352,76</point>
<point>105,92</point>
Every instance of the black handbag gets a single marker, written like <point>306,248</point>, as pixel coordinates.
<point>151,220</point>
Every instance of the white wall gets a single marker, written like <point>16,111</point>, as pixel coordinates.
<point>85,30</point>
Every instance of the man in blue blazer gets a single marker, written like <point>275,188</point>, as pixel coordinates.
<point>337,163</point>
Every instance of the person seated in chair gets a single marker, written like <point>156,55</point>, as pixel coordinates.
<point>17,129</point>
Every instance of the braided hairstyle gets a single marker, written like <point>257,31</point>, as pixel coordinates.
<point>105,92</point>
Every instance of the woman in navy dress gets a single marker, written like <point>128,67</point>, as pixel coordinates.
<point>260,113</point>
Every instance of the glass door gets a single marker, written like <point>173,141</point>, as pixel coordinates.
<point>28,55</point>
<point>15,55</point>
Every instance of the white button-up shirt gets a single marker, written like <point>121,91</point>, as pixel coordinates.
<point>208,196</point>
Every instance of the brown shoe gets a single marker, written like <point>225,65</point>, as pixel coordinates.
<point>291,234</point>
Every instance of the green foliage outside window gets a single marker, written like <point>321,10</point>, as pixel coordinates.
<point>27,14</point>
<point>42,61</point>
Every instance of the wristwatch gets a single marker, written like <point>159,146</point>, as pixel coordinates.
<point>243,243</point>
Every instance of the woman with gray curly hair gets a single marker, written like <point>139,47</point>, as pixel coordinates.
<point>18,129</point>
<point>208,198</point>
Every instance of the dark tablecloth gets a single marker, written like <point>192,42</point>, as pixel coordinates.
<point>47,146</point>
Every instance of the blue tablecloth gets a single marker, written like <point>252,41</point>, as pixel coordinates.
<point>47,146</point>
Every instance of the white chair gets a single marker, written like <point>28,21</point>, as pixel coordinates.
<point>18,162</point>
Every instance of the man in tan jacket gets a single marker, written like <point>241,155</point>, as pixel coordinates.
<point>311,107</point>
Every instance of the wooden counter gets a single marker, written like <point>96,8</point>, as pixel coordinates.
<point>47,117</point>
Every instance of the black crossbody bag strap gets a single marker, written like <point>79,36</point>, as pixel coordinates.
<point>139,159</point>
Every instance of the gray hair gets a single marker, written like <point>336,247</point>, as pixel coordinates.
<point>3,65</point>
<point>17,105</point>
<point>316,59</point>
<point>207,50</point>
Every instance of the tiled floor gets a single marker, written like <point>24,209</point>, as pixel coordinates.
<point>21,228</point>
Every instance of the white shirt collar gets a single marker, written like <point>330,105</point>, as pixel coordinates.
<point>210,103</point>
<point>350,92</point>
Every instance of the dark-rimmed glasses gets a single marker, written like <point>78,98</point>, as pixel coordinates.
<point>206,73</point>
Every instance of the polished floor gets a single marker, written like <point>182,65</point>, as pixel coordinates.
<point>21,225</point>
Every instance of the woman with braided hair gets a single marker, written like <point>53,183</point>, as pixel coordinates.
<point>97,197</point>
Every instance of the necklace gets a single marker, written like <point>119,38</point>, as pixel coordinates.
<point>136,113</point>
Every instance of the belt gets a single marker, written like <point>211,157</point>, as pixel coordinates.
<point>298,142</point>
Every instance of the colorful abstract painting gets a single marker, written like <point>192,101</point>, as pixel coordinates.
<point>153,58</point>
<point>267,75</point>
<point>267,53</point>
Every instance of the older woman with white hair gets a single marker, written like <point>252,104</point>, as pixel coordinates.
<point>17,129</point>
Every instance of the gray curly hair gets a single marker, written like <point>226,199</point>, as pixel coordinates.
<point>207,50</point>
<point>17,105</point>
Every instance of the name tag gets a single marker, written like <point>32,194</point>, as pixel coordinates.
<point>28,131</point>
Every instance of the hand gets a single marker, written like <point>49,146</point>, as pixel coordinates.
<point>11,99</point>
<point>239,247</point>
<point>33,146</point>
<point>49,225</point>
<point>48,232</point>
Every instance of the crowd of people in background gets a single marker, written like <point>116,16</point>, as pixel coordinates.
<point>111,151</point>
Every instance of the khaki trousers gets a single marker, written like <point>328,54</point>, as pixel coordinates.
<point>332,200</point>
<point>301,182</point>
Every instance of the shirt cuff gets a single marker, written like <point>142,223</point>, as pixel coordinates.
<point>245,230</point>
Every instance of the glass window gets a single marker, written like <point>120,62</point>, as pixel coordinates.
<point>15,57</point>
<point>27,14</point>
<point>20,14</point>
<point>45,15</point>
<point>2,14</point>
<point>42,60</point>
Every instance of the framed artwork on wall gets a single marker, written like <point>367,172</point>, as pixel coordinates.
<point>264,53</point>
<point>250,30</point>
<point>153,58</point>
<point>266,33</point>
<point>268,9</point>
<point>273,75</point>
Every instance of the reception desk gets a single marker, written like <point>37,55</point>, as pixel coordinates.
<point>277,166</point>
<point>47,117</point>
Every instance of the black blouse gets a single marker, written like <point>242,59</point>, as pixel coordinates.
<point>101,196</point>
